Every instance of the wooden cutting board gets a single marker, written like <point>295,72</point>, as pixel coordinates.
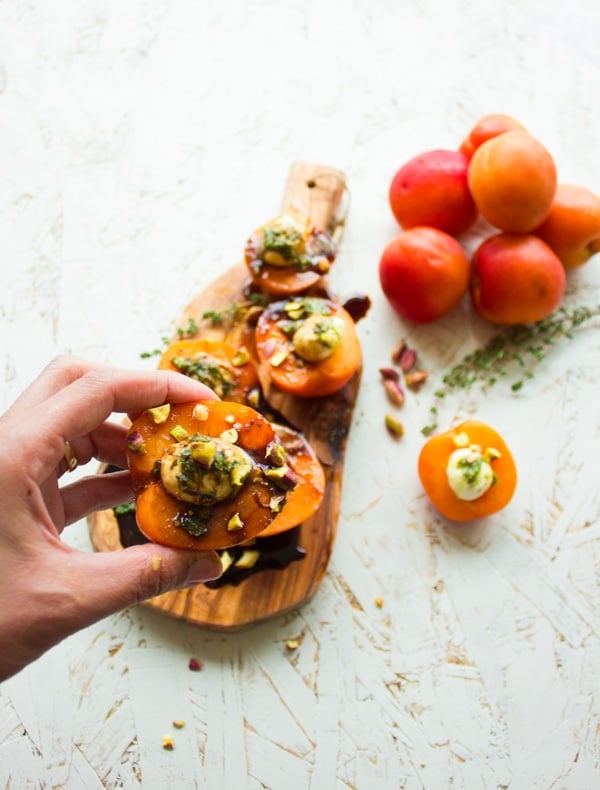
<point>319,191</point>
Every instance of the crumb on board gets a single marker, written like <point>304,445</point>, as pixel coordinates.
<point>195,664</point>
<point>168,743</point>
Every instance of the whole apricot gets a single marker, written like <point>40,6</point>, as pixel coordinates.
<point>431,189</point>
<point>487,127</point>
<point>516,279</point>
<point>424,273</point>
<point>512,178</point>
<point>572,229</point>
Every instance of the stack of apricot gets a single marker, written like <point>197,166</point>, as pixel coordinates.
<point>536,228</point>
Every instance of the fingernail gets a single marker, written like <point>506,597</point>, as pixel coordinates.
<point>204,569</point>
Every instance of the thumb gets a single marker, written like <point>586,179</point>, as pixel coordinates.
<point>112,581</point>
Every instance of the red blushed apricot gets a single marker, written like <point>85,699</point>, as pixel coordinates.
<point>487,127</point>
<point>512,178</point>
<point>424,274</point>
<point>433,466</point>
<point>431,189</point>
<point>572,229</point>
<point>516,279</point>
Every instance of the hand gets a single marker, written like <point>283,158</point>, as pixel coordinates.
<point>48,589</point>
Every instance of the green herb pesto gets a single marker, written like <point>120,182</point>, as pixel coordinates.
<point>208,370</point>
<point>282,240</point>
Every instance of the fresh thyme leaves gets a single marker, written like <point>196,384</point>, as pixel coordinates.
<point>217,317</point>
<point>128,507</point>
<point>182,332</point>
<point>517,350</point>
<point>189,331</point>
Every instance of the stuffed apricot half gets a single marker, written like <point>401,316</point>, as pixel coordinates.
<point>308,346</point>
<point>288,254</point>
<point>207,475</point>
<point>468,472</point>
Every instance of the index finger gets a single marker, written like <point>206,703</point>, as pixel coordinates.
<point>86,402</point>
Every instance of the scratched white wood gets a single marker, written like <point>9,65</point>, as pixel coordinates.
<point>139,143</point>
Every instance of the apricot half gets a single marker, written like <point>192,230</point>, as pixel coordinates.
<point>468,472</point>
<point>206,475</point>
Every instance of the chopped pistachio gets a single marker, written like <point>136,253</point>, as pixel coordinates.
<point>135,443</point>
<point>235,523</point>
<point>159,414</point>
<point>275,452</point>
<point>415,379</point>
<point>292,644</point>
<point>248,559</point>
<point>294,310</point>
<point>282,476</point>
<point>200,412</point>
<point>230,435</point>
<point>394,426</point>
<point>242,357</point>
<point>168,743</point>
<point>279,357</point>
<point>178,724</point>
<point>179,433</point>
<point>226,560</point>
<point>491,453</point>
<point>461,439</point>
<point>203,452</point>
<point>394,392</point>
<point>276,503</point>
<point>254,398</point>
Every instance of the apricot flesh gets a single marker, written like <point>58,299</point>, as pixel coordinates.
<point>516,279</point>
<point>572,229</point>
<point>431,189</point>
<point>512,178</point>
<point>487,127</point>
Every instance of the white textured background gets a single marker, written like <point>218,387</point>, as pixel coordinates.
<point>140,142</point>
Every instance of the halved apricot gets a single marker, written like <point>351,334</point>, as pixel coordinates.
<point>207,475</point>
<point>309,347</point>
<point>228,371</point>
<point>455,466</point>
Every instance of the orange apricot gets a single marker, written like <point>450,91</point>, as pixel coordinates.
<point>572,229</point>
<point>468,472</point>
<point>228,371</point>
<point>487,127</point>
<point>512,178</point>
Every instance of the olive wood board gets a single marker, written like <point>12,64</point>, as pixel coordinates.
<point>319,191</point>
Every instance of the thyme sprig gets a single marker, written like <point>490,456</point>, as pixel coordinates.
<point>517,350</point>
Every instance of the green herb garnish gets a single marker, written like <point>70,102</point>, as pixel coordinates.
<point>515,351</point>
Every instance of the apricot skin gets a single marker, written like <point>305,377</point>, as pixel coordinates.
<point>512,178</point>
<point>424,273</point>
<point>572,229</point>
<point>431,189</point>
<point>487,127</point>
<point>516,279</point>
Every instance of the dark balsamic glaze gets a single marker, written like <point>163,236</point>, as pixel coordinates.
<point>276,552</point>
<point>357,306</point>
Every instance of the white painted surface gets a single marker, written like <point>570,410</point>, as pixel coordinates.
<point>140,142</point>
